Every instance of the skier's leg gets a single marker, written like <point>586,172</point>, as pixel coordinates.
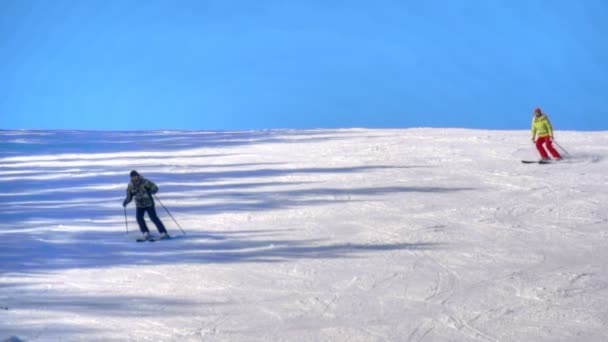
<point>540,148</point>
<point>552,149</point>
<point>159,225</point>
<point>140,220</point>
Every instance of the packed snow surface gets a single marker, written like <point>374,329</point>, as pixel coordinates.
<point>305,235</point>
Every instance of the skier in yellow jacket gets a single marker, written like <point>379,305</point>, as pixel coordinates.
<point>541,127</point>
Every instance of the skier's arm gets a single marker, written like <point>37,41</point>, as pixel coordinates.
<point>152,187</point>
<point>129,196</point>
<point>549,128</point>
<point>533,130</point>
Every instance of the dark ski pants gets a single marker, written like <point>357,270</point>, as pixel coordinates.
<point>152,214</point>
<point>547,142</point>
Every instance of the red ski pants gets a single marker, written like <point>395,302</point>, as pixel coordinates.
<point>547,142</point>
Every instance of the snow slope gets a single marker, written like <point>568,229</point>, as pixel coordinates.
<point>319,235</point>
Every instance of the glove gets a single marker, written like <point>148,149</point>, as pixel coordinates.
<point>124,203</point>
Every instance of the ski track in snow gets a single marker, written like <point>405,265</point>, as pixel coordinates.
<point>305,235</point>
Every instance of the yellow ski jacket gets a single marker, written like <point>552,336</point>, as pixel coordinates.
<point>541,126</point>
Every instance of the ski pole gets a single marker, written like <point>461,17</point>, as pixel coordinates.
<point>167,210</point>
<point>126,222</point>
<point>568,154</point>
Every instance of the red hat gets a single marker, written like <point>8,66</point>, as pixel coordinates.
<point>537,110</point>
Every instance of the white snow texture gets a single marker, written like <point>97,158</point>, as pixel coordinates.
<point>304,235</point>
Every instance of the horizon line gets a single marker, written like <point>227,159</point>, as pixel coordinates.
<point>282,129</point>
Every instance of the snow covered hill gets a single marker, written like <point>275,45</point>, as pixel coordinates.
<point>293,235</point>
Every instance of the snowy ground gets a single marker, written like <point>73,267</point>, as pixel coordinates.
<point>323,235</point>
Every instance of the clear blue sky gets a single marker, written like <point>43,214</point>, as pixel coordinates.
<point>240,64</point>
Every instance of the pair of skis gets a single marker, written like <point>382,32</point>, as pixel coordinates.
<point>542,161</point>
<point>152,239</point>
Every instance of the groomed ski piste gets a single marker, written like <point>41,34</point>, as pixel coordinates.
<point>305,235</point>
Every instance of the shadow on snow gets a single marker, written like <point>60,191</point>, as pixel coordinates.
<point>37,214</point>
<point>40,252</point>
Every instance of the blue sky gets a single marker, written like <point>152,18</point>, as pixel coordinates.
<point>127,64</point>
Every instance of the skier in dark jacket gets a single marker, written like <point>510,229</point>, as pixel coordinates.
<point>142,190</point>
